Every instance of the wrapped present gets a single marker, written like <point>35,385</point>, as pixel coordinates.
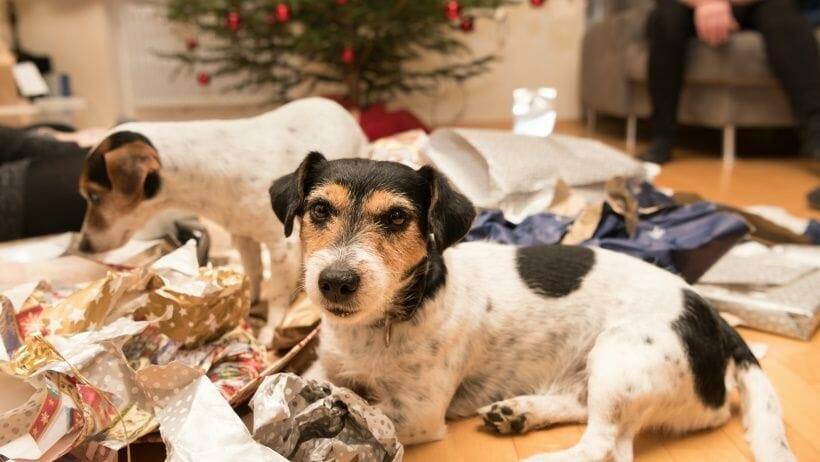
<point>319,422</point>
<point>776,289</point>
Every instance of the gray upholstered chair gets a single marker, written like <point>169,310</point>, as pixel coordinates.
<point>726,87</point>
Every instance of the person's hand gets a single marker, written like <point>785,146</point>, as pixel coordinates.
<point>714,21</point>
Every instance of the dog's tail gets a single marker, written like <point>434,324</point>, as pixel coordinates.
<point>762,415</point>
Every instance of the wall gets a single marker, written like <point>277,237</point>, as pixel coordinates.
<point>542,48</point>
<point>76,34</point>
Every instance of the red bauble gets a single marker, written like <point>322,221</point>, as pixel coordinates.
<point>467,23</point>
<point>348,55</point>
<point>234,21</point>
<point>453,10</point>
<point>203,78</point>
<point>537,2</point>
<point>341,2</point>
<point>282,12</point>
<point>191,43</point>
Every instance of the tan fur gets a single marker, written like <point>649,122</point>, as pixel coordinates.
<point>127,167</point>
<point>316,238</point>
<point>399,252</point>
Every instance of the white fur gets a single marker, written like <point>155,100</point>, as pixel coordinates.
<point>579,358</point>
<point>222,170</point>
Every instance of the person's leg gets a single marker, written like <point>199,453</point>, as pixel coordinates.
<point>669,28</point>
<point>793,56</point>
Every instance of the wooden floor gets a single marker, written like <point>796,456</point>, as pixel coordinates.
<point>792,365</point>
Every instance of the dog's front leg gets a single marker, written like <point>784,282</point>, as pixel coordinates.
<point>417,418</point>
<point>251,254</point>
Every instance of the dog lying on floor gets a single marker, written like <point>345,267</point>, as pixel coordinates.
<point>220,169</point>
<point>528,336</point>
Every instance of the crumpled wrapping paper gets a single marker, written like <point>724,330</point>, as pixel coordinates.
<point>76,366</point>
<point>405,147</point>
<point>317,422</point>
<point>776,289</point>
<point>193,305</point>
<point>517,173</point>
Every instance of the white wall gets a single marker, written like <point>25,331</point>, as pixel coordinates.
<point>76,34</point>
<point>542,48</point>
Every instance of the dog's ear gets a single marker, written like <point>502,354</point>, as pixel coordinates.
<point>450,214</point>
<point>287,194</point>
<point>127,163</point>
<point>134,170</point>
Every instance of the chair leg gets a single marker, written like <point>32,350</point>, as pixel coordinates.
<point>631,133</point>
<point>729,146</point>
<point>592,120</point>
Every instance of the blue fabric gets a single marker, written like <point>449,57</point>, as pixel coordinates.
<point>813,231</point>
<point>543,228</point>
<point>665,238</point>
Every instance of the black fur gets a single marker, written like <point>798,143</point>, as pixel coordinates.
<point>554,270</point>
<point>709,343</point>
<point>288,193</point>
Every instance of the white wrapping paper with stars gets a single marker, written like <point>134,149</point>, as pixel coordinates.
<point>306,421</point>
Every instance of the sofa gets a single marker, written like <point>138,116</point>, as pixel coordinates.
<point>726,87</point>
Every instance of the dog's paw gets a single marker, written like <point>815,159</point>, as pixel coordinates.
<point>504,417</point>
<point>265,336</point>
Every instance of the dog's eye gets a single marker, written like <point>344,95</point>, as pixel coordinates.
<point>95,198</point>
<point>397,217</point>
<point>319,212</point>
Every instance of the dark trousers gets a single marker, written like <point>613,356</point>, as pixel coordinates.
<point>790,47</point>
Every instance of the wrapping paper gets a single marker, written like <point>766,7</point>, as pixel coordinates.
<point>317,422</point>
<point>518,174</point>
<point>196,423</point>
<point>686,240</point>
<point>88,366</point>
<point>406,148</point>
<point>776,289</point>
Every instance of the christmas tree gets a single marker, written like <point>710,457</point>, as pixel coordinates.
<point>367,50</point>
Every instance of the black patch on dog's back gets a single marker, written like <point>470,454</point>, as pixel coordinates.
<point>709,343</point>
<point>554,270</point>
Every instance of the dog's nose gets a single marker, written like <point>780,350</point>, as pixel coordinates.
<point>338,284</point>
<point>85,245</point>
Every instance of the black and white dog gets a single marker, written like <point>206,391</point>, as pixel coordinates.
<point>525,336</point>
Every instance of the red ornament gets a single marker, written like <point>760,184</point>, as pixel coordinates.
<point>467,23</point>
<point>453,10</point>
<point>537,3</point>
<point>341,2</point>
<point>348,55</point>
<point>282,12</point>
<point>203,78</point>
<point>191,43</point>
<point>234,21</point>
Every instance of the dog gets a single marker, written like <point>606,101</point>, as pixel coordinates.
<point>219,169</point>
<point>527,337</point>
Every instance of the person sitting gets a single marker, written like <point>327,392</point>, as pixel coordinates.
<point>790,46</point>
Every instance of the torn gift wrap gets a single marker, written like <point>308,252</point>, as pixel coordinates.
<point>196,423</point>
<point>776,289</point>
<point>63,390</point>
<point>319,422</point>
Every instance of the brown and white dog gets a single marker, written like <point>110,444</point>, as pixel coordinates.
<point>527,337</point>
<point>219,169</point>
